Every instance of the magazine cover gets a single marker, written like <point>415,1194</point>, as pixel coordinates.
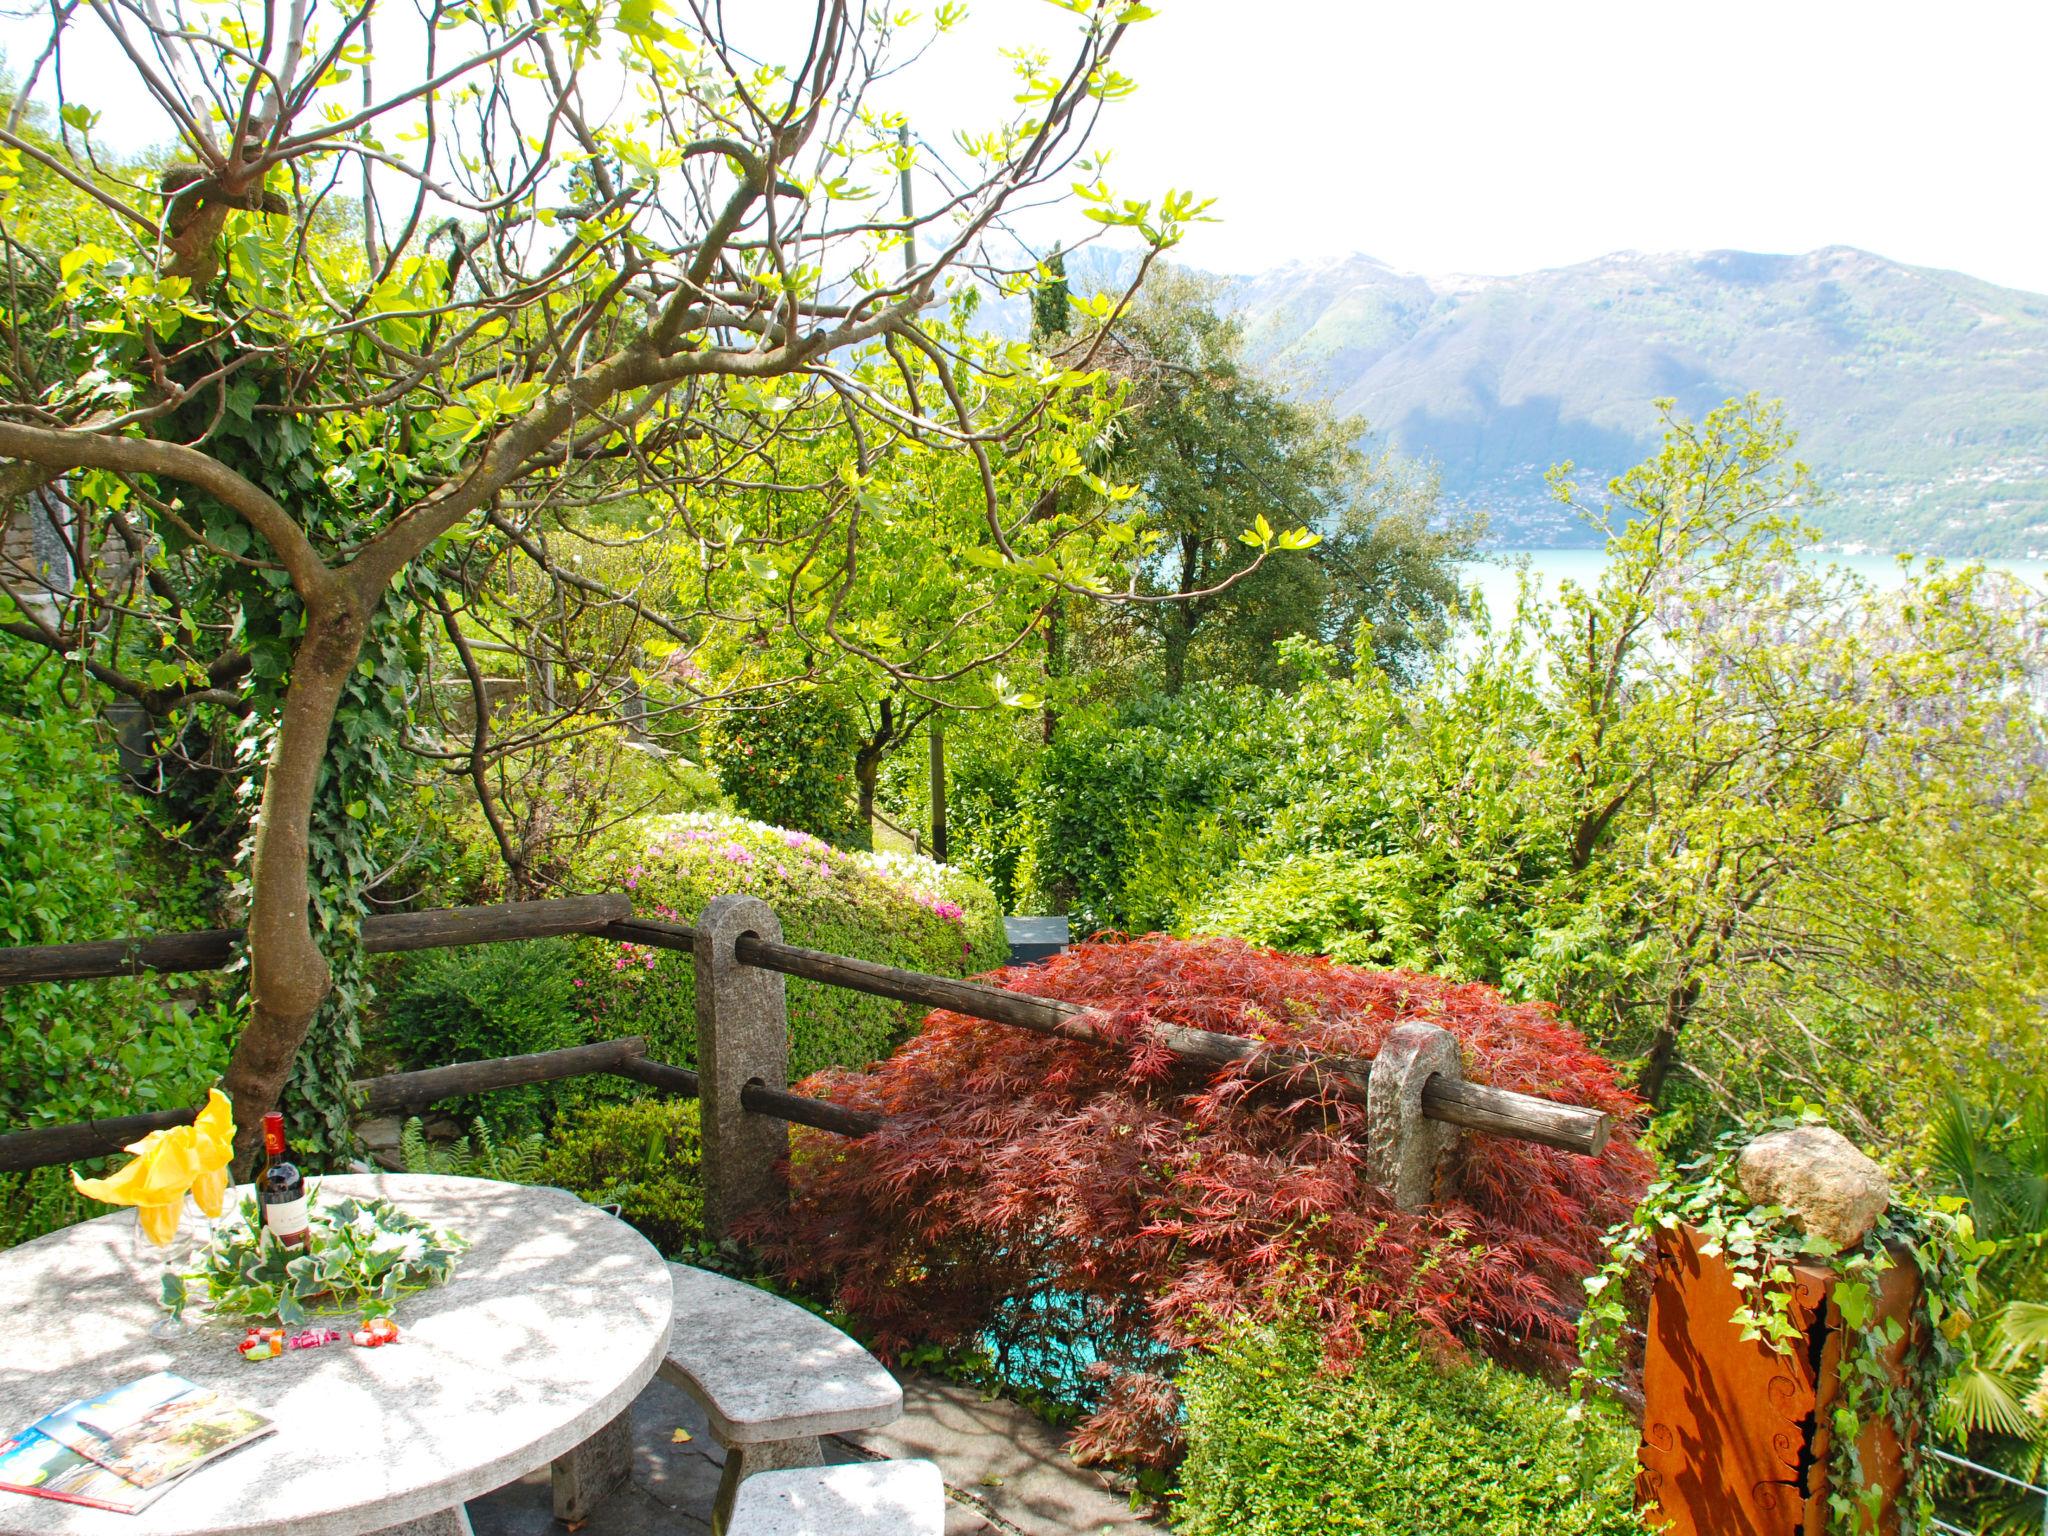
<point>153,1430</point>
<point>33,1463</point>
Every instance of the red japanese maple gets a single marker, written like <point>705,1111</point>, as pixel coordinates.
<point>1171,1199</point>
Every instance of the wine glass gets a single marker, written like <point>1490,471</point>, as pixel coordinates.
<point>163,1260</point>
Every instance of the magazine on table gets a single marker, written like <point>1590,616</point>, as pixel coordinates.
<point>31,1462</point>
<point>124,1448</point>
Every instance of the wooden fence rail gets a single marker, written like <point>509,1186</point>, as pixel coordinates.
<point>1472,1106</point>
<point>384,934</point>
<point>405,1092</point>
<point>1441,1097</point>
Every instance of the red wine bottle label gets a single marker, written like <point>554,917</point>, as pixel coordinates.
<point>286,1220</point>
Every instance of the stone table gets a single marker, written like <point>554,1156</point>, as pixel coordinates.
<point>557,1316</point>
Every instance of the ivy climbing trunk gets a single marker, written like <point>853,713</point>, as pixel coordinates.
<point>288,975</point>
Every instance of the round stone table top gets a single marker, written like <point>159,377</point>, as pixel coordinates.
<point>556,1317</point>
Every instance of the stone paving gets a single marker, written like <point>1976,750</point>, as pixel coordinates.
<point>1007,1474</point>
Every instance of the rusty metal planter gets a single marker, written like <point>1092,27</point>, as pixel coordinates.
<point>1736,1435</point>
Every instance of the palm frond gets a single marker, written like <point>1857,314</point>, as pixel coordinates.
<point>2022,1330</point>
<point>1984,1400</point>
<point>1963,1157</point>
<point>2027,1155</point>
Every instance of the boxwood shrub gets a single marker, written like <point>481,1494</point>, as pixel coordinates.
<point>1399,1446</point>
<point>476,1002</point>
<point>896,909</point>
<point>642,1157</point>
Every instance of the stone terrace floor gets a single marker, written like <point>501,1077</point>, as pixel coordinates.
<point>1006,1473</point>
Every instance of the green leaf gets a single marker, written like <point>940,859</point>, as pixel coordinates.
<point>1853,1301</point>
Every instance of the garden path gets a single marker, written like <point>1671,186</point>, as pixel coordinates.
<point>1006,1472</point>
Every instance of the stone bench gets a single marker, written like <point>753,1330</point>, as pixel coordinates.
<point>771,1377</point>
<point>871,1498</point>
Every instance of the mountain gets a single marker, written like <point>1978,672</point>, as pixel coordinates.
<point>1920,396</point>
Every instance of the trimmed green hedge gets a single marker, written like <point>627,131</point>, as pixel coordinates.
<point>896,909</point>
<point>1277,1446</point>
<point>791,765</point>
<point>642,1157</point>
<point>1141,809</point>
<point>481,1001</point>
<point>1357,909</point>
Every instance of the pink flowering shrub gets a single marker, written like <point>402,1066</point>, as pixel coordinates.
<point>897,909</point>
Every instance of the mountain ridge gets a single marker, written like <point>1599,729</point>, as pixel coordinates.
<point>1920,394</point>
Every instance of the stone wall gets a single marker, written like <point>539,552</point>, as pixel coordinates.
<point>35,560</point>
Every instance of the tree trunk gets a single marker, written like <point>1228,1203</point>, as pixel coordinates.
<point>940,843</point>
<point>1177,623</point>
<point>1663,1055</point>
<point>1176,658</point>
<point>1055,665</point>
<point>867,768</point>
<point>288,976</point>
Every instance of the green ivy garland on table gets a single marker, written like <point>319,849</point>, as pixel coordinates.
<point>360,1256</point>
<point>1760,1245</point>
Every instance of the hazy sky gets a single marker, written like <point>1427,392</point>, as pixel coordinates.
<point>1490,136</point>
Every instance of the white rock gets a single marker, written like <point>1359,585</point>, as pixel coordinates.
<point>1831,1189</point>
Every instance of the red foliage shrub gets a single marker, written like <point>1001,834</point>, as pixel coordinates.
<point>1171,1199</point>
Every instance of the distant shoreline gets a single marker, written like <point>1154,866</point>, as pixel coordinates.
<point>1495,572</point>
<point>1856,555</point>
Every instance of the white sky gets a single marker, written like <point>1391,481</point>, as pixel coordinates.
<point>1497,136</point>
<point>1502,135</point>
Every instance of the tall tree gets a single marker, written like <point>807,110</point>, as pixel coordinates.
<point>1766,828</point>
<point>366,319</point>
<point>1213,448</point>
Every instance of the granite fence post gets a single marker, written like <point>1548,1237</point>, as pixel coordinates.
<point>1404,1152</point>
<point>742,1037</point>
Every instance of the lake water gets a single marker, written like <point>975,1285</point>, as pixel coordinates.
<point>1497,572</point>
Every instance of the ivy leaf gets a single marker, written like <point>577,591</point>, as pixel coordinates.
<point>1852,1300</point>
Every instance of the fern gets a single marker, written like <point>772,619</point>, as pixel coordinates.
<point>479,1155</point>
<point>39,1201</point>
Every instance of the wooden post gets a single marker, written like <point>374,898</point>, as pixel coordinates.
<point>742,1039</point>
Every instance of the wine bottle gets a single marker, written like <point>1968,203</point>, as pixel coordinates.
<point>281,1189</point>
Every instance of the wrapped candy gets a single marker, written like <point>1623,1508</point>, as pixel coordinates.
<point>262,1344</point>
<point>269,1343</point>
